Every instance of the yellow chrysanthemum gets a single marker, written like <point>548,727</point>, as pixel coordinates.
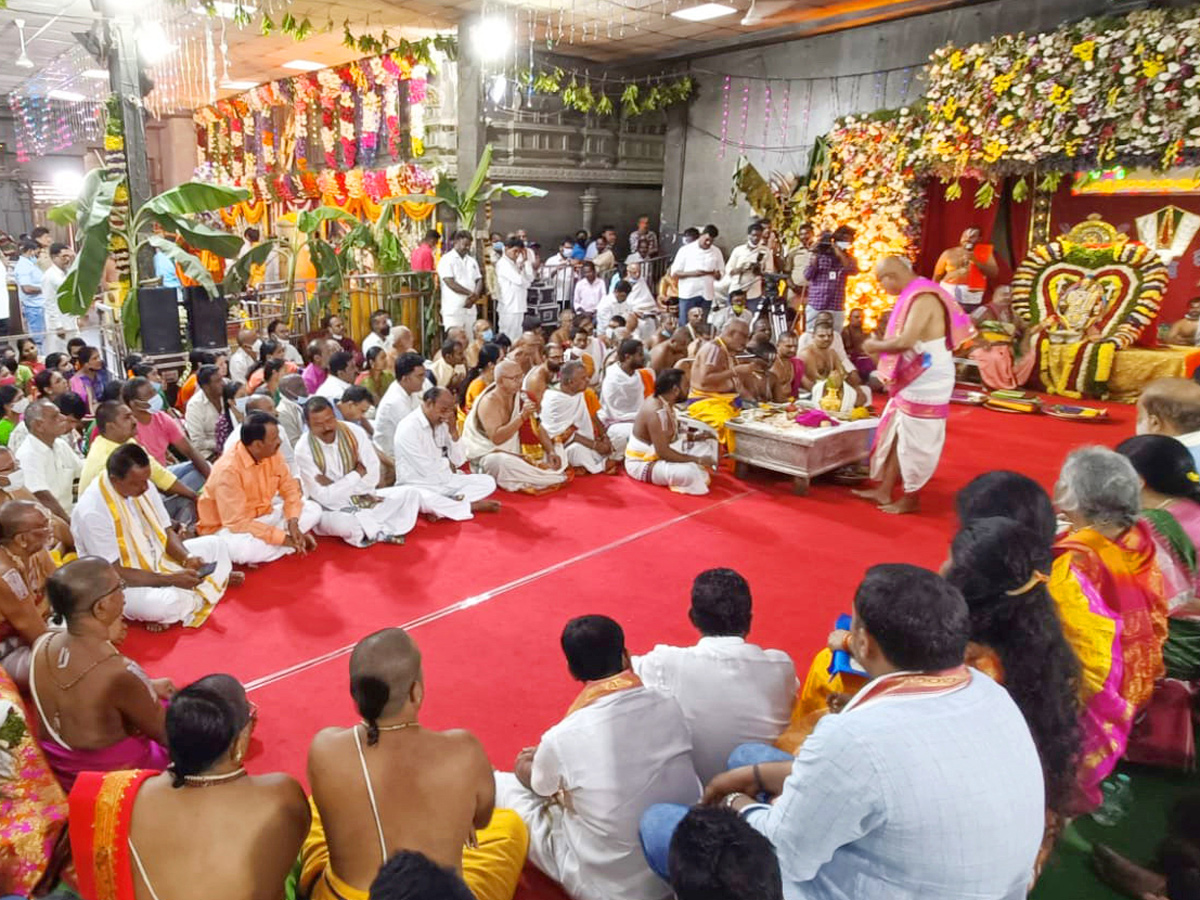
<point>1085,50</point>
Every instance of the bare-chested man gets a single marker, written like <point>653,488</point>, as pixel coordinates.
<point>542,377</point>
<point>535,345</point>
<point>203,829</point>
<point>715,381</point>
<point>388,784</point>
<point>821,360</point>
<point>562,334</point>
<point>964,270</point>
<point>1186,332</point>
<point>98,710</point>
<point>757,378</point>
<point>491,436</point>
<point>786,368</point>
<point>25,565</point>
<point>666,354</point>
<point>913,428</point>
<point>657,453</point>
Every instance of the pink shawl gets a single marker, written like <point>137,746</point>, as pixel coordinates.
<point>897,370</point>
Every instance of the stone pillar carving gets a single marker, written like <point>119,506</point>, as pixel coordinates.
<point>588,200</point>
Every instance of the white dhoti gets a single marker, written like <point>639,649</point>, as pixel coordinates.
<point>564,417</point>
<point>619,434</point>
<point>512,325</point>
<point>543,818</point>
<point>453,499</point>
<point>621,396</point>
<point>643,464</point>
<point>395,515</point>
<point>965,297</point>
<point>504,462</point>
<point>246,549</point>
<point>914,420</point>
<point>171,605</point>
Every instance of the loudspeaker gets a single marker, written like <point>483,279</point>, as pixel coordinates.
<point>206,319</point>
<point>159,311</point>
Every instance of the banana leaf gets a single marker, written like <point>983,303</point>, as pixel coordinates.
<point>238,274</point>
<point>198,234</point>
<point>131,319</point>
<point>192,267</point>
<point>329,269</point>
<point>480,177</point>
<point>311,219</point>
<point>756,190</point>
<point>193,197</point>
<point>82,283</point>
<point>513,190</point>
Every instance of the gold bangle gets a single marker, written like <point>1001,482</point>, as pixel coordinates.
<point>846,643</point>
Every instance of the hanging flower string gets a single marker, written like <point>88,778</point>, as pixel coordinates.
<point>724,116</point>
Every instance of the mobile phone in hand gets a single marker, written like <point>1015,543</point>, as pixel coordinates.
<point>207,569</point>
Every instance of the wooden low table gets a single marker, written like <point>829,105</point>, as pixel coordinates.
<point>803,453</point>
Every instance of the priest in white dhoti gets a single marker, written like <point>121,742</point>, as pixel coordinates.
<point>642,301</point>
<point>491,437</point>
<point>121,518</point>
<point>626,385</point>
<point>657,454</point>
<point>339,470</point>
<point>568,419</point>
<point>429,454</point>
<point>916,363</point>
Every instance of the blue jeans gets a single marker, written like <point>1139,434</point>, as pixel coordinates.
<point>686,303</point>
<point>187,474</point>
<point>35,321</point>
<point>660,820</point>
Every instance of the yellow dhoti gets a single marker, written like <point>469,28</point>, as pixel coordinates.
<point>491,869</point>
<point>813,702</point>
<point>715,410</point>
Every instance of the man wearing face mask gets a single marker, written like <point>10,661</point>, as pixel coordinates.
<point>381,327</point>
<point>746,266</point>
<point>827,271</point>
<point>158,431</point>
<point>696,268</point>
<point>116,426</point>
<point>483,334</point>
<point>514,275</point>
<point>964,270</point>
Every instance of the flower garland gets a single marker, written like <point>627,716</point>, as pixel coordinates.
<point>115,164</point>
<point>346,114</point>
<point>1091,93</point>
<point>372,109</point>
<point>250,160</point>
<point>418,89</point>
<point>237,169</point>
<point>266,133</point>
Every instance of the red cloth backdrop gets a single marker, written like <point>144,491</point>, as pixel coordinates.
<point>946,220</point>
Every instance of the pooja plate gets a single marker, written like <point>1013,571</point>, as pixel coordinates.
<point>1077,413</point>
<point>970,398</point>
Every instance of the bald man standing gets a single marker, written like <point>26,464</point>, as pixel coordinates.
<point>916,363</point>
<point>388,784</point>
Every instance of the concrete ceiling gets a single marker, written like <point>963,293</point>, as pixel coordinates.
<point>602,31</point>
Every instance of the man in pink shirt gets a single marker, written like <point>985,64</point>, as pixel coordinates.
<point>422,256</point>
<point>159,431</point>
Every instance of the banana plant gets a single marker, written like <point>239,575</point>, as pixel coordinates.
<point>95,226</point>
<point>466,203</point>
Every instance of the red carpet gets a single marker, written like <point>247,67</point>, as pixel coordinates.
<point>487,599</point>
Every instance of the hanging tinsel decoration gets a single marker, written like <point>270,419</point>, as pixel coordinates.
<point>745,117</point>
<point>724,116</point>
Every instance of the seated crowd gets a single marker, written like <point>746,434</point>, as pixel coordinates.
<point>1001,691</point>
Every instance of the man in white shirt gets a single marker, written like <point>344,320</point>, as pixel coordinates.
<point>381,327</point>
<point>697,266</point>
<point>514,275</point>
<point>277,330</point>
<point>560,271</point>
<point>428,456</point>
<point>49,462</point>
<point>731,692</point>
<point>1171,406</point>
<point>60,327</point>
<point>339,470</point>
<point>341,377</point>
<point>627,384</point>
<point>620,749</point>
<point>589,290</point>
<point>926,785</point>
<point>617,304</point>
<point>746,266</point>
<point>401,398</point>
<point>243,358</point>
<point>462,283</point>
<point>292,393</point>
<point>204,408</point>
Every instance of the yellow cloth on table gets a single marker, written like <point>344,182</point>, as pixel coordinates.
<point>1136,367</point>
<point>714,409</point>
<point>491,869</point>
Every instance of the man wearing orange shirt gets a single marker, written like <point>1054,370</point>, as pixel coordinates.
<point>252,500</point>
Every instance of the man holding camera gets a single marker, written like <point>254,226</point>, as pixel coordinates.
<point>747,263</point>
<point>827,271</point>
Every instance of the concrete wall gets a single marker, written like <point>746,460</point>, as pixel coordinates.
<point>697,184</point>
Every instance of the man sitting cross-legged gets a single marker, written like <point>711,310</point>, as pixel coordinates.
<point>927,785</point>
<point>491,437</point>
<point>166,835</point>
<point>567,418</point>
<point>339,469</point>
<point>401,398</point>
<point>389,784</point>
<point>253,502</point>
<point>428,457</point>
<point>117,426</point>
<point>581,791</point>
<point>121,518</point>
<point>626,385</point>
<point>731,692</point>
<point>264,403</point>
<point>25,564</point>
<point>655,453</point>
<point>98,710</point>
<point>715,383</point>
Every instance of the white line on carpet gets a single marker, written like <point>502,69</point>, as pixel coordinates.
<point>468,602</point>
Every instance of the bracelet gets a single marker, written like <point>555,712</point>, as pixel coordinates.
<point>731,799</point>
<point>846,643</point>
<point>758,782</point>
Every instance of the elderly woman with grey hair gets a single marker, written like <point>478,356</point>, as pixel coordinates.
<point>1109,592</point>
